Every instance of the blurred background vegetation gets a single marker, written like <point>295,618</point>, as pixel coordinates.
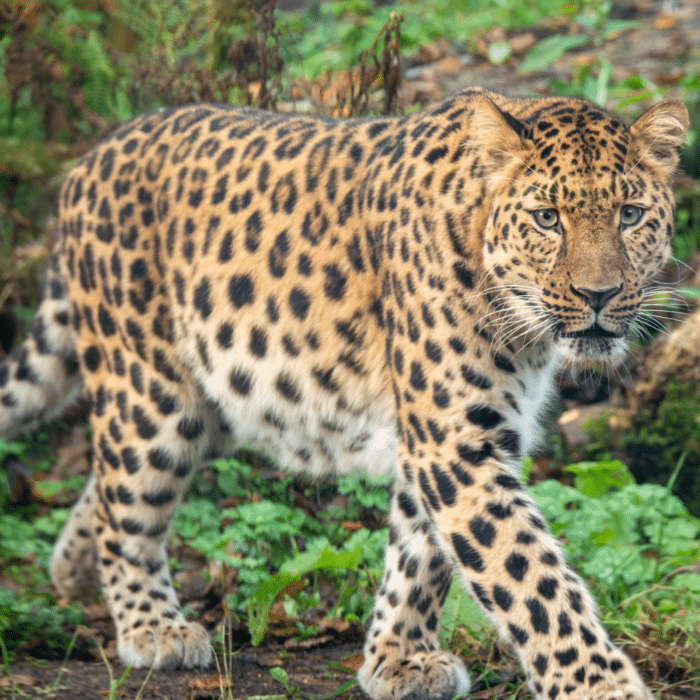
<point>74,69</point>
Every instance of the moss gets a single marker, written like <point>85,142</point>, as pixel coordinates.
<point>658,435</point>
<point>660,438</point>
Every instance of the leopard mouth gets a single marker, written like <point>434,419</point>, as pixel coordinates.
<point>595,344</point>
<point>594,332</point>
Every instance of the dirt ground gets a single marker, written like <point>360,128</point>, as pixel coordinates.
<point>317,673</point>
<point>665,42</point>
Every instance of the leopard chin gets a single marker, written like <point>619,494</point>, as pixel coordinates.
<point>609,351</point>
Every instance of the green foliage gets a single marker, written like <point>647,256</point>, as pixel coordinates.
<point>460,611</point>
<point>23,616</point>
<point>329,36</point>
<point>626,539</point>
<point>319,555</point>
<point>260,539</point>
<point>636,545</point>
<point>369,491</point>
<point>687,238</point>
<point>237,478</point>
<point>260,532</point>
<point>27,535</point>
<point>33,448</point>
<point>595,479</point>
<point>548,50</point>
<point>72,45</point>
<point>280,675</point>
<point>23,539</point>
<point>27,609</point>
<point>326,36</point>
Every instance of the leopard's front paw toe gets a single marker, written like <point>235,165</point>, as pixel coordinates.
<point>434,675</point>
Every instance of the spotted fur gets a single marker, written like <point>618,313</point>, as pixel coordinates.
<point>389,294</point>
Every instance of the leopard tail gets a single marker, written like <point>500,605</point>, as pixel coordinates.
<point>41,376</point>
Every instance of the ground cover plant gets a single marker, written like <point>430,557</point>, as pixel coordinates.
<point>280,571</point>
<point>284,561</point>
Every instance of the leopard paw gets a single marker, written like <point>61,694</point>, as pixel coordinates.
<point>180,644</point>
<point>604,679</point>
<point>434,675</point>
<point>613,692</point>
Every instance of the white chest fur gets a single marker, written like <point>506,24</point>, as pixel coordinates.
<point>537,386</point>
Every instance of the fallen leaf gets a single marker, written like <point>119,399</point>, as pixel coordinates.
<point>665,22</point>
<point>451,66</point>
<point>306,644</point>
<point>293,587</point>
<point>17,679</point>
<point>520,43</point>
<point>352,525</point>
<point>353,662</point>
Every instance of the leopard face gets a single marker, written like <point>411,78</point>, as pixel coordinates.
<point>579,225</point>
<point>391,295</point>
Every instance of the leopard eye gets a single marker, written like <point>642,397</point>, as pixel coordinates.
<point>630,214</point>
<point>546,218</point>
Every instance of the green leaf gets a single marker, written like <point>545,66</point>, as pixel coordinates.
<point>262,600</point>
<point>691,581</point>
<point>280,675</point>
<point>604,536</point>
<point>460,609</point>
<point>325,558</point>
<point>614,27</point>
<point>595,479</point>
<point>548,50</point>
<point>604,76</point>
<point>499,52</point>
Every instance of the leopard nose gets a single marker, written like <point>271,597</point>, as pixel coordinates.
<point>596,298</point>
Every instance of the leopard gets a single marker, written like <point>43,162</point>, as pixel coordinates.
<point>389,295</point>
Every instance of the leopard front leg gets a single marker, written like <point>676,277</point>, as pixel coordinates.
<point>513,567</point>
<point>461,412</point>
<point>403,659</point>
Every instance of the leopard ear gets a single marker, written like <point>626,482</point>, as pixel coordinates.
<point>658,133</point>
<point>497,134</point>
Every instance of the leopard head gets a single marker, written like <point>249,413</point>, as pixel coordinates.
<point>581,220</point>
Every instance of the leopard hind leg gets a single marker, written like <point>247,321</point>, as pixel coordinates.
<point>146,447</point>
<point>74,560</point>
